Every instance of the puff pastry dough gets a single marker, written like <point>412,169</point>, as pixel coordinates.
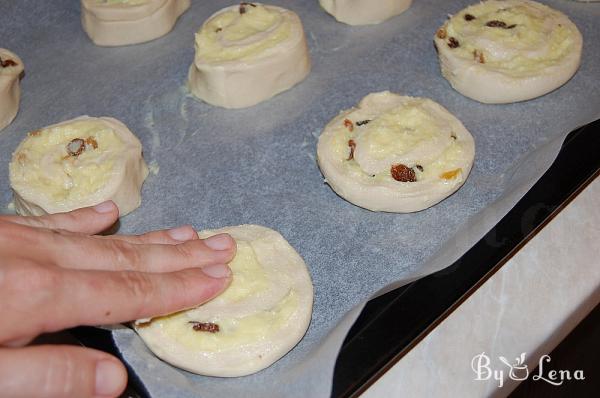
<point>507,51</point>
<point>77,163</point>
<point>260,317</point>
<point>11,68</point>
<point>246,54</point>
<point>395,153</point>
<point>364,12</point>
<point>122,22</point>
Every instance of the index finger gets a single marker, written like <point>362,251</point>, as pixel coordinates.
<point>105,297</point>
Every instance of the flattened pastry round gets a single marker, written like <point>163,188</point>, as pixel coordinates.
<point>78,163</point>
<point>364,12</point>
<point>508,51</point>
<point>246,54</point>
<point>395,153</point>
<point>262,315</point>
<point>11,68</point>
<point>123,22</point>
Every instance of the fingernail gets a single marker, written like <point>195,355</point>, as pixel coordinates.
<point>109,378</point>
<point>104,207</point>
<point>181,233</point>
<point>219,242</point>
<point>217,270</point>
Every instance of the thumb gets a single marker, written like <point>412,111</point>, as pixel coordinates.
<point>87,220</point>
<point>60,371</point>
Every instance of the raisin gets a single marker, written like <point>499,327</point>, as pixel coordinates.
<point>243,7</point>
<point>499,24</point>
<point>478,56</point>
<point>453,43</point>
<point>92,141</point>
<point>449,175</point>
<point>418,166</point>
<point>204,326</point>
<point>348,123</point>
<point>441,33</point>
<point>403,173</point>
<point>469,17</point>
<point>361,122</point>
<point>352,146</point>
<point>76,147</point>
<point>7,62</point>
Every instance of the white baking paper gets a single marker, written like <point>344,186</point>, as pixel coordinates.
<point>215,167</point>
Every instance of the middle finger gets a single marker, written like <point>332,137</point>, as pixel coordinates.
<point>84,252</point>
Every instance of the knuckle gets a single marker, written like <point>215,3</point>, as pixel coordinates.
<point>189,251</point>
<point>63,375</point>
<point>148,237</point>
<point>139,287</point>
<point>124,254</point>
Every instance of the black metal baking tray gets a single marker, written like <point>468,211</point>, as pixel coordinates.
<point>390,325</point>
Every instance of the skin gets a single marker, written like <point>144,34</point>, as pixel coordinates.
<point>56,273</point>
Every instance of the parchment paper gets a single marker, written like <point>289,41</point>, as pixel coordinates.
<point>215,167</point>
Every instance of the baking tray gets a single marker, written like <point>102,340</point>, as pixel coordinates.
<point>378,339</point>
<point>391,325</point>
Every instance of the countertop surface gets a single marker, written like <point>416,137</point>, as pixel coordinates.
<point>518,315</point>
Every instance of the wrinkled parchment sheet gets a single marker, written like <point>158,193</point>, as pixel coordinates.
<point>214,167</point>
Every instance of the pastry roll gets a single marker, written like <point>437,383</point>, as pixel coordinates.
<point>260,317</point>
<point>395,153</point>
<point>364,12</point>
<point>77,163</point>
<point>246,54</point>
<point>11,68</point>
<point>122,22</point>
<point>507,51</point>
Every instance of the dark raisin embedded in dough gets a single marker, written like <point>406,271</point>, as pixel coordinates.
<point>403,173</point>
<point>453,43</point>
<point>76,147</point>
<point>7,62</point>
<point>348,123</point>
<point>361,122</point>
<point>204,326</point>
<point>218,30</point>
<point>469,17</point>
<point>499,24</point>
<point>418,166</point>
<point>91,141</point>
<point>243,7</point>
<point>478,56</point>
<point>352,146</point>
<point>495,24</point>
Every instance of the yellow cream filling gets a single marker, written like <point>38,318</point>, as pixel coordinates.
<point>249,277</point>
<point>44,165</point>
<point>449,161</point>
<point>233,332</point>
<point>396,132</point>
<point>538,40</point>
<point>232,35</point>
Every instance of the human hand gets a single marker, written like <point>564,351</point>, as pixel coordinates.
<point>55,274</point>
